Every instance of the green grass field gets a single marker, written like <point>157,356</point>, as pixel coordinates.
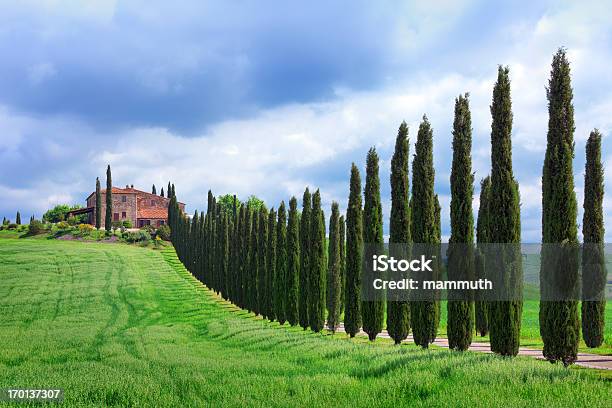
<point>117,325</point>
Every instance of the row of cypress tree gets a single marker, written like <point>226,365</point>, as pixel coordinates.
<point>279,266</point>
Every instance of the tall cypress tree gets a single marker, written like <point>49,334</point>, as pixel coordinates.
<point>334,277</point>
<point>482,237</point>
<point>373,311</point>
<point>342,250</point>
<point>424,312</point>
<point>316,292</point>
<point>593,259</point>
<point>18,218</point>
<point>162,192</point>
<point>153,190</point>
<point>398,311</point>
<point>461,262</point>
<point>505,209</point>
<point>280,283</point>
<point>293,264</point>
<point>108,219</point>
<point>224,254</point>
<point>253,263</point>
<point>169,191</point>
<point>271,273</point>
<point>262,257</point>
<point>245,270</point>
<point>98,204</point>
<point>354,256</point>
<point>305,232</point>
<point>559,324</point>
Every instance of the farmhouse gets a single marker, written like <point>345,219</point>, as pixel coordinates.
<point>138,207</point>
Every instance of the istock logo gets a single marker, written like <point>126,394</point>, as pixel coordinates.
<point>384,263</point>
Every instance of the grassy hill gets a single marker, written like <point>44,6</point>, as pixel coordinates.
<point>117,325</point>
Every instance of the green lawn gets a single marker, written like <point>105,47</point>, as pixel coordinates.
<point>118,325</point>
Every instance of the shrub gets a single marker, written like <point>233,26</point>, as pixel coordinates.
<point>72,221</point>
<point>63,225</point>
<point>144,235</point>
<point>148,228</point>
<point>117,225</point>
<point>35,227</point>
<point>127,224</point>
<point>163,232</point>
<point>12,226</point>
<point>85,229</point>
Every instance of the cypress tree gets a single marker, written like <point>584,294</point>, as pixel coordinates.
<point>342,250</point>
<point>334,273</point>
<point>271,273</point>
<point>593,260</point>
<point>354,256</point>
<point>98,204</point>
<point>559,324</point>
<point>162,192</point>
<point>425,312</point>
<point>153,190</point>
<point>169,190</point>
<point>304,259</point>
<point>316,293</point>
<point>18,218</point>
<point>262,258</point>
<point>224,254</point>
<point>293,264</point>
<point>398,311</point>
<point>252,282</point>
<point>482,237</point>
<point>108,219</point>
<point>280,283</point>
<point>373,312</point>
<point>460,262</point>
<point>504,208</point>
<point>31,218</point>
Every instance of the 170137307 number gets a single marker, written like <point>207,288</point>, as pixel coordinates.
<point>31,394</point>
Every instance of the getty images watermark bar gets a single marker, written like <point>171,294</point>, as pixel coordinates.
<point>486,272</point>
<point>31,394</point>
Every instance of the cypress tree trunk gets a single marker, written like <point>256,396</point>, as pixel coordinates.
<point>482,237</point>
<point>354,256</point>
<point>373,311</point>
<point>559,324</point>
<point>334,278</point>
<point>108,219</point>
<point>342,245</point>
<point>424,312</point>
<point>316,293</point>
<point>398,311</point>
<point>280,283</point>
<point>262,298</point>
<point>593,260</point>
<point>98,204</point>
<point>271,275</point>
<point>293,264</point>
<point>305,231</point>
<point>461,263</point>
<point>505,210</point>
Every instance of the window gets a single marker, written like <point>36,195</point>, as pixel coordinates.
<point>123,199</point>
<point>152,203</point>
<point>123,215</point>
<point>116,217</point>
<point>160,223</point>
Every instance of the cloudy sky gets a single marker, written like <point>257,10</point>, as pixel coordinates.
<point>264,98</point>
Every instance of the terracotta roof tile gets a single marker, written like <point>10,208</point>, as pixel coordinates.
<point>155,213</point>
